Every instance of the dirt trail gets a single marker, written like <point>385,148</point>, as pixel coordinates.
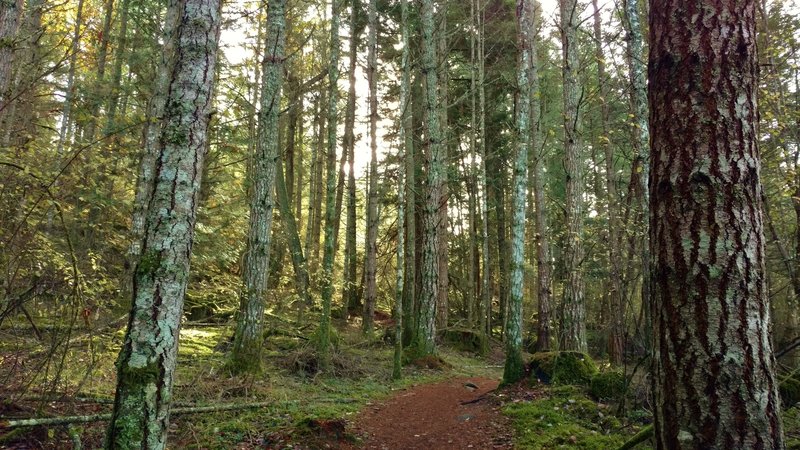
<point>449,415</point>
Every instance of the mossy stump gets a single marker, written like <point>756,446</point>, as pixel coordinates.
<point>608,385</point>
<point>466,340</point>
<point>574,368</point>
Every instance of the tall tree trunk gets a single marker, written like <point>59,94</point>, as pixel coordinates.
<point>486,287</point>
<point>248,338</point>
<point>69,88</point>
<point>315,215</point>
<point>472,301</point>
<point>399,306</point>
<point>514,367</point>
<point>99,84</point>
<point>323,342</point>
<point>442,303</point>
<point>713,368</point>
<point>407,140</point>
<point>424,339</point>
<point>541,237</point>
<point>372,201</point>
<point>292,237</point>
<point>640,138</point>
<point>147,360</point>
<point>616,329</point>
<point>351,263</point>
<point>573,321</point>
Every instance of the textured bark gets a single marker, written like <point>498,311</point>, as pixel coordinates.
<point>472,300</point>
<point>371,264</point>
<point>424,339</point>
<point>10,15</point>
<point>146,362</point>
<point>713,367</point>
<point>248,338</point>
<point>514,366</point>
<point>640,139</point>
<point>323,342</point>
<point>351,263</point>
<point>573,321</point>
<point>315,215</point>
<point>401,214</point>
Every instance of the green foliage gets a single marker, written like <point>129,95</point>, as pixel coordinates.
<point>565,419</point>
<point>561,368</point>
<point>789,389</point>
<point>607,385</point>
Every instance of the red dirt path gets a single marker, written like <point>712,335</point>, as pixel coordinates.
<point>437,416</point>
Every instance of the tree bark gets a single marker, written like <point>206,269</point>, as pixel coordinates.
<point>146,362</point>
<point>410,280</point>
<point>514,366</point>
<point>424,339</point>
<point>713,369</point>
<point>573,321</point>
<point>248,337</point>
<point>351,262</point>
<point>10,15</point>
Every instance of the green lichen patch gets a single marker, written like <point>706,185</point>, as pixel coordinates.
<point>562,368</point>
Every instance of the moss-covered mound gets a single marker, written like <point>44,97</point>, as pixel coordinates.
<point>563,368</point>
<point>607,385</point>
<point>466,340</point>
<point>566,419</point>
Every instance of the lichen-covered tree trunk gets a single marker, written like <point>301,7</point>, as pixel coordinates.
<point>10,18</point>
<point>573,319</point>
<point>713,369</point>
<point>424,339</point>
<point>146,362</point>
<point>372,201</point>
<point>485,321</point>
<point>399,306</point>
<point>248,338</point>
<point>514,366</point>
<point>324,338</point>
<point>292,236</point>
<point>351,263</point>
<point>640,140</point>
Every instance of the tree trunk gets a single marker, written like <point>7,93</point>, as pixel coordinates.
<point>248,338</point>
<point>351,263</point>
<point>640,138</point>
<point>293,237</point>
<point>713,369</point>
<point>424,339</point>
<point>399,306</point>
<point>323,342</point>
<point>486,287</point>
<point>573,321</point>
<point>10,15</point>
<point>410,280</point>
<point>442,303</point>
<point>146,362</point>
<point>372,201</point>
<point>69,89</point>
<point>515,367</point>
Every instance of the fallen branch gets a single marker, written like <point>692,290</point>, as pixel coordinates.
<point>643,435</point>
<point>49,421</point>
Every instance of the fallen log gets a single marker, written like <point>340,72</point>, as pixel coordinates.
<point>67,420</point>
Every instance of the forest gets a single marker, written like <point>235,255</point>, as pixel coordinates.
<point>399,224</point>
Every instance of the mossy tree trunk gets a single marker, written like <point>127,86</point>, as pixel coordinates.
<point>514,366</point>
<point>713,367</point>
<point>410,280</point>
<point>147,360</point>
<point>424,339</point>
<point>573,320</point>
<point>351,259</point>
<point>10,19</point>
<point>323,338</point>
<point>248,338</point>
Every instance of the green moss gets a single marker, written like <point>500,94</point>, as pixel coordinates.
<point>789,389</point>
<point>566,419</point>
<point>465,340</point>
<point>563,367</point>
<point>607,385</point>
<point>791,427</point>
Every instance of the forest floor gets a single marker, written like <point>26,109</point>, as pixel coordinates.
<point>356,405</point>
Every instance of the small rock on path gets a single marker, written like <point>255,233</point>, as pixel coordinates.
<point>437,416</point>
